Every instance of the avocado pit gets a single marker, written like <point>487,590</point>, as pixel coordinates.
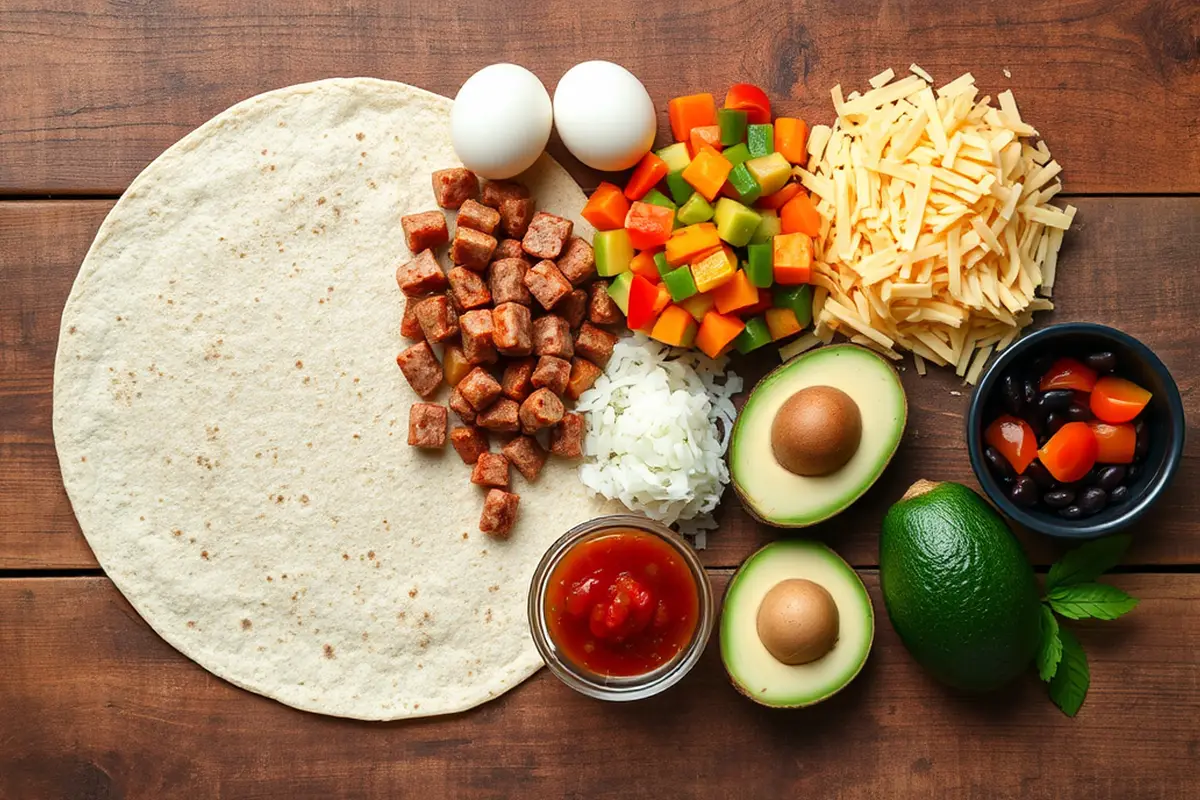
<point>797,621</point>
<point>816,431</point>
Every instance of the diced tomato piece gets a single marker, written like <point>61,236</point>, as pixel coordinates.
<point>1070,453</point>
<point>1117,400</point>
<point>1014,439</point>
<point>751,99</point>
<point>1116,442</point>
<point>1067,373</point>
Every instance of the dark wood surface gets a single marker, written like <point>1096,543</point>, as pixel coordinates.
<point>97,706</point>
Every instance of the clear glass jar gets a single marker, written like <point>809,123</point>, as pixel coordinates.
<point>618,688</point>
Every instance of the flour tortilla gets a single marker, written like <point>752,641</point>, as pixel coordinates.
<point>231,423</point>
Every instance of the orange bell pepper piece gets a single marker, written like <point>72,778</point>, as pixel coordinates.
<point>716,332</point>
<point>735,294</point>
<point>765,301</point>
<point>691,111</point>
<point>704,136</point>
<point>799,215</point>
<point>649,171</point>
<point>780,198</point>
<point>648,225</point>
<point>687,242</point>
<point>707,173</point>
<point>606,208</point>
<point>793,255</point>
<point>791,139</point>
<point>674,327</point>
<point>643,264</point>
<point>1116,400</point>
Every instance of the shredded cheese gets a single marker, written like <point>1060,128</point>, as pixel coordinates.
<point>936,236</point>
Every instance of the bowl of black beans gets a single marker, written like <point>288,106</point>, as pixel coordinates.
<point>1075,430</point>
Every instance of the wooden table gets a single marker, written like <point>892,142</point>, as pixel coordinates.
<point>94,704</point>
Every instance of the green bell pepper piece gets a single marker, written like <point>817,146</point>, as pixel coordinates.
<point>798,299</point>
<point>676,155</point>
<point>760,268</point>
<point>737,154</point>
<point>770,227</point>
<point>753,336</point>
<point>696,209</point>
<point>744,184</point>
<point>680,189</point>
<point>613,252</point>
<point>733,126</point>
<point>679,283</point>
<point>660,261</point>
<point>735,223</point>
<point>760,139</point>
<point>656,198</point>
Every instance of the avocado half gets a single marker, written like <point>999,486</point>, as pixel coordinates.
<point>751,668</point>
<point>780,498</point>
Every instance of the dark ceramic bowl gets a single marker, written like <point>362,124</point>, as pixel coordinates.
<point>1136,362</point>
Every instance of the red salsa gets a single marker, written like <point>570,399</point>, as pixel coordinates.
<point>622,603</point>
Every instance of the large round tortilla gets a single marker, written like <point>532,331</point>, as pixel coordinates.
<point>231,423</point>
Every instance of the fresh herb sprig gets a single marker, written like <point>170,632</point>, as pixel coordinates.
<point>1072,592</point>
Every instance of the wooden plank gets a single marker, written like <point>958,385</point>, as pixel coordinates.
<point>98,706</point>
<point>105,87</point>
<point>41,245</point>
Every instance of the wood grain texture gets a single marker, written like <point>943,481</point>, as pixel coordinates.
<point>96,705</point>
<point>1129,262</point>
<point>105,86</point>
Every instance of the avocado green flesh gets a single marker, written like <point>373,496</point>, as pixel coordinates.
<point>752,668</point>
<point>784,499</point>
<point>958,588</point>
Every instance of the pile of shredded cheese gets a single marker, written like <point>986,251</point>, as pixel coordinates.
<point>937,232</point>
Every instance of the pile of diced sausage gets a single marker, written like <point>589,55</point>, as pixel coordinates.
<point>516,319</point>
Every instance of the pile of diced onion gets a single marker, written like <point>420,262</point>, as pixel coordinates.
<point>938,236</point>
<point>659,422</point>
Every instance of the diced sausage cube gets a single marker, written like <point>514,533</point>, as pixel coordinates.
<point>516,213</point>
<point>468,288</point>
<point>421,275</point>
<point>476,327</point>
<point>490,470</point>
<point>421,368</point>
<point>546,283</point>
<point>552,337</point>
<point>517,381</point>
<point>602,309</point>
<point>453,187</point>
<point>540,410</point>
<point>502,415</point>
<point>546,235</point>
<point>479,217</point>
<point>573,308</point>
<point>480,388</point>
<point>578,261</point>
<point>424,231</point>
<point>594,344</point>
<point>512,329</point>
<point>506,278</point>
<point>472,249</point>
<point>526,455</point>
<point>438,320</point>
<point>494,192</point>
<point>583,375</point>
<point>510,248</point>
<point>551,373</point>
<point>566,438</point>
<point>469,443</point>
<point>427,425</point>
<point>410,326</point>
<point>459,405</point>
<point>499,513</point>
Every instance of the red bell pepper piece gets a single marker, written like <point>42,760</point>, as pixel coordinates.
<point>646,175</point>
<point>649,226</point>
<point>1070,453</point>
<point>1014,439</point>
<point>643,296</point>
<point>751,99</point>
<point>1067,373</point>
<point>704,136</point>
<point>1117,400</point>
<point>765,301</point>
<point>1116,442</point>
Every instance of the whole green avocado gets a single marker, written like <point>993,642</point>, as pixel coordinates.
<point>958,587</point>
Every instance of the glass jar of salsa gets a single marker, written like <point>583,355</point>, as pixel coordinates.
<point>620,608</point>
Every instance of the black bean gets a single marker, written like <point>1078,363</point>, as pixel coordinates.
<point>998,463</point>
<point>1093,500</point>
<point>1024,492</point>
<point>1070,512</point>
<point>1077,412</point>
<point>1104,361</point>
<point>1091,478</point>
<point>1040,474</point>
<point>1055,400</point>
<point>1011,395</point>
<point>1054,421</point>
<point>1040,365</point>
<point>1059,498</point>
<point>1134,472</point>
<point>1118,495</point>
<point>1143,439</point>
<point>1029,391</point>
<point>1110,478</point>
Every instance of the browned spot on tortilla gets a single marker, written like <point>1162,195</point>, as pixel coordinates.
<point>246,624</point>
<point>416,706</point>
<point>400,615</point>
<point>321,201</point>
<point>176,532</point>
<point>278,499</point>
<point>264,152</point>
<point>83,458</point>
<point>412,592</point>
<point>299,365</point>
<point>303,499</point>
<point>345,556</point>
<point>466,535</point>
<point>270,579</point>
<point>204,554</point>
<point>360,136</point>
<point>488,616</point>
<point>328,651</point>
<point>272,168</point>
<point>364,636</point>
<point>119,318</point>
<point>371,554</point>
<point>191,623</point>
<point>425,614</point>
<point>71,329</point>
<point>494,588</point>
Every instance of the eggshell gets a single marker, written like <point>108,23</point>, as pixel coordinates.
<point>604,115</point>
<point>501,121</point>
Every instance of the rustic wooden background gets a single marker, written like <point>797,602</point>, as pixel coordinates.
<point>94,705</point>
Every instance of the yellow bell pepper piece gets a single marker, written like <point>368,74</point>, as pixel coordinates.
<point>687,242</point>
<point>712,271</point>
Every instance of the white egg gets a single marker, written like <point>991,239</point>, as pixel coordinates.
<point>604,115</point>
<point>501,121</point>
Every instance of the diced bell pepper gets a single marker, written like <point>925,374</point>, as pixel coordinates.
<point>707,173</point>
<point>745,188</point>
<point>712,271</point>
<point>760,139</point>
<point>760,264</point>
<point>702,137</point>
<point>782,323</point>
<point>613,252</point>
<point>649,171</point>
<point>796,298</point>
<point>660,263</point>
<point>674,327</point>
<point>695,210</point>
<point>687,242</point>
<point>735,222</point>
<point>771,171</point>
<point>675,156</point>
<point>716,332</point>
<point>799,215</point>
<point>698,305</point>
<point>680,189</point>
<point>656,198</point>
<point>793,255</point>
<point>768,227</point>
<point>735,294</point>
<point>649,225</point>
<point>791,139</point>
<point>751,99</point>
<point>691,111</point>
<point>733,126</point>
<point>753,336</point>
<point>606,208</point>
<point>642,297</point>
<point>643,264</point>
<point>679,283</point>
<point>618,290</point>
<point>738,154</point>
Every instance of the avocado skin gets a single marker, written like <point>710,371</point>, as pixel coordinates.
<point>958,588</point>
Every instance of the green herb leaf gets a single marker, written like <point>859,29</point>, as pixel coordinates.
<point>1091,601</point>
<point>1050,650</point>
<point>1088,562</point>
<point>1069,686</point>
